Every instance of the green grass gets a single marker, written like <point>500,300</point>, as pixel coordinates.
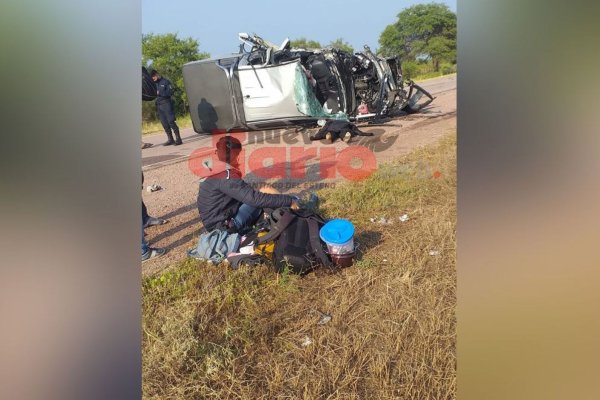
<point>419,71</point>
<point>210,332</point>
<point>430,75</point>
<point>184,121</point>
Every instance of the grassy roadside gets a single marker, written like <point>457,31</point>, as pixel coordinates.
<point>213,333</point>
<point>183,122</point>
<point>431,75</point>
<point>420,71</point>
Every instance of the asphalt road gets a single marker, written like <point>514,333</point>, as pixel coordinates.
<point>158,155</point>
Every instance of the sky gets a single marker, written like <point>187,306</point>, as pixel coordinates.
<point>216,24</point>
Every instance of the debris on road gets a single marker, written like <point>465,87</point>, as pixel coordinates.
<point>153,188</point>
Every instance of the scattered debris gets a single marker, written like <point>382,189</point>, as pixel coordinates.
<point>307,341</point>
<point>437,174</point>
<point>404,218</point>
<point>385,260</point>
<point>325,317</point>
<point>153,188</point>
<point>434,253</point>
<point>381,220</point>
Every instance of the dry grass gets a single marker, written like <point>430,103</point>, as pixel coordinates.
<point>213,333</point>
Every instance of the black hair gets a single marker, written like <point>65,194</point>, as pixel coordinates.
<point>153,72</point>
<point>229,142</point>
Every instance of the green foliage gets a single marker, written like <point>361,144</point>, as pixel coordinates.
<point>446,68</point>
<point>339,43</point>
<point>410,69</point>
<point>425,69</point>
<point>391,42</point>
<point>422,30</point>
<point>167,53</point>
<point>303,43</point>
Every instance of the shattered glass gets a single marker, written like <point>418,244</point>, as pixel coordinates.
<point>307,102</point>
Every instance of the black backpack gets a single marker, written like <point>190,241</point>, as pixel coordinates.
<point>148,86</point>
<point>297,245</point>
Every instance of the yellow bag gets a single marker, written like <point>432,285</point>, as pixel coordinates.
<point>265,249</point>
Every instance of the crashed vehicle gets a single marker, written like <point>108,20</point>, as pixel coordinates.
<point>266,86</point>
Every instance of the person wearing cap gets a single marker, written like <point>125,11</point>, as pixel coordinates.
<point>226,202</point>
<point>164,105</point>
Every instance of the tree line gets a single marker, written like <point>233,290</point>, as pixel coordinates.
<point>422,33</point>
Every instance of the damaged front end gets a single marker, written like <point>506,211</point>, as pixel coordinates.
<point>268,86</point>
<point>380,86</point>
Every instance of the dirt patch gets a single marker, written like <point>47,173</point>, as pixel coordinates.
<point>177,200</point>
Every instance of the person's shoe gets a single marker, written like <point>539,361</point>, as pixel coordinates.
<point>151,221</point>
<point>329,137</point>
<point>168,143</point>
<point>177,138</point>
<point>153,252</point>
<point>347,137</point>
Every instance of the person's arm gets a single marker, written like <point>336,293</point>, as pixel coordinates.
<point>241,191</point>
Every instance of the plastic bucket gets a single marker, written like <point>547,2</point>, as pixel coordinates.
<point>338,235</point>
<point>343,260</point>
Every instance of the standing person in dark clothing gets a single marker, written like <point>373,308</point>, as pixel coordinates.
<point>226,202</point>
<point>164,104</point>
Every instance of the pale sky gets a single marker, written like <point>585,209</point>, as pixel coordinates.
<point>216,24</point>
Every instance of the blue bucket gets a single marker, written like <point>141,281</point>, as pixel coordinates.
<point>338,235</point>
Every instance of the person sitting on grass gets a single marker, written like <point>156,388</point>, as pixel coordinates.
<point>227,202</point>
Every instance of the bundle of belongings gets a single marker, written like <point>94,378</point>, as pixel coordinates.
<point>297,241</point>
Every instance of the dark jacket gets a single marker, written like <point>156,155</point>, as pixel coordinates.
<point>220,198</point>
<point>164,89</point>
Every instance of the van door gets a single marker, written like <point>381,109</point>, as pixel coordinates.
<point>268,91</point>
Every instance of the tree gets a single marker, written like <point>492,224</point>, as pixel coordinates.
<point>167,53</point>
<point>339,43</point>
<point>423,30</point>
<point>303,43</point>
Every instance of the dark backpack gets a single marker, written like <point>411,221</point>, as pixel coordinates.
<point>297,245</point>
<point>148,86</point>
